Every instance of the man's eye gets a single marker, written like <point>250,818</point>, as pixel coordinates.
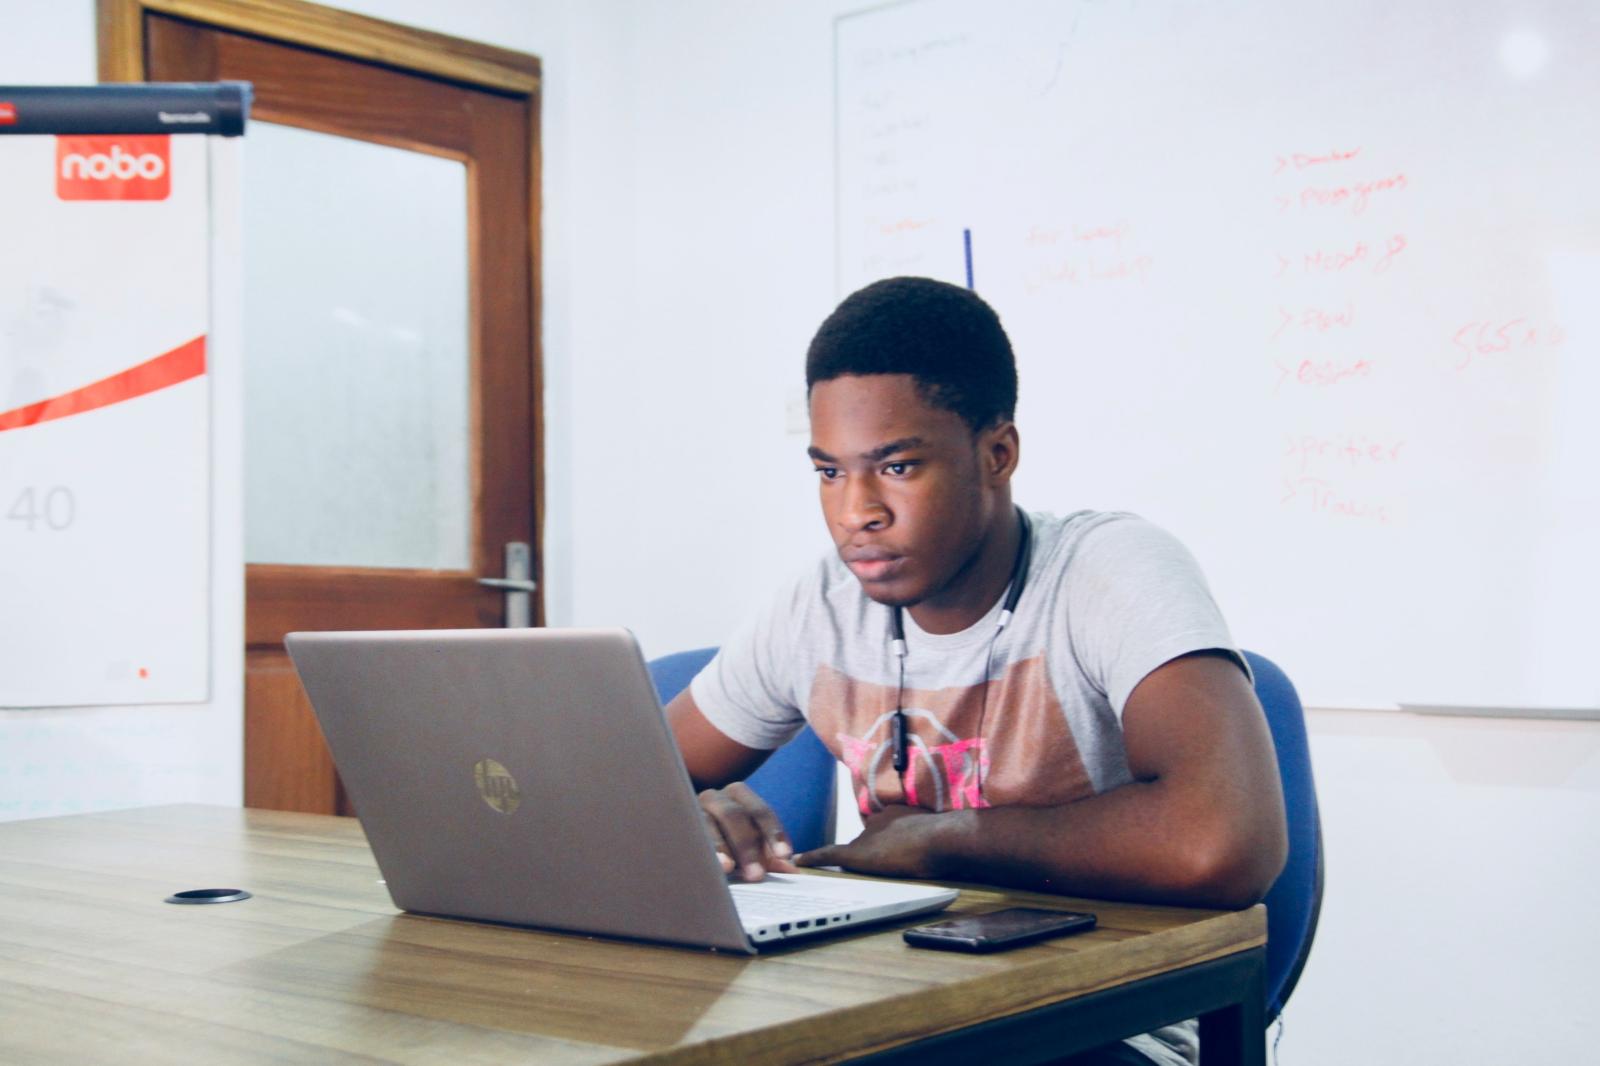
<point>828,472</point>
<point>897,469</point>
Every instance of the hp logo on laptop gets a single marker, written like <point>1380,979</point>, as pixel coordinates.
<point>496,785</point>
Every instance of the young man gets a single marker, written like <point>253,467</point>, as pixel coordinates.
<point>1103,740</point>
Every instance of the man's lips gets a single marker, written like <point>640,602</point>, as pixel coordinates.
<point>871,564</point>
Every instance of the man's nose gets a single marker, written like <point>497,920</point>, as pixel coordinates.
<point>864,509</point>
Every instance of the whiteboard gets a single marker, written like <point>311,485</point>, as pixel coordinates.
<point>105,406</point>
<point>1316,287</point>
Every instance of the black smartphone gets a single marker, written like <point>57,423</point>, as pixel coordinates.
<point>998,930</point>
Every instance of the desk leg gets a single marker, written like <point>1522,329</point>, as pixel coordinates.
<point>1235,1035</point>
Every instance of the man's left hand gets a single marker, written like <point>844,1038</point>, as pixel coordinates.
<point>895,842</point>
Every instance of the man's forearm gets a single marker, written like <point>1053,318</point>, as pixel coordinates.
<point>1128,843</point>
<point>1202,823</point>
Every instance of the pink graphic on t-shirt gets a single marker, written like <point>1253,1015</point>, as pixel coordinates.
<point>952,735</point>
<point>959,764</point>
<point>854,753</point>
<point>963,772</point>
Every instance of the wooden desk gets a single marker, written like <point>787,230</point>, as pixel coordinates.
<point>319,966</point>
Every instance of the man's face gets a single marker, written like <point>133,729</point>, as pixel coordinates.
<point>904,485</point>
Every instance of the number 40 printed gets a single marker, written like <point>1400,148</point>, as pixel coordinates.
<point>51,509</point>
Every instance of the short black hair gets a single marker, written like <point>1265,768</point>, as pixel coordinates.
<point>944,336</point>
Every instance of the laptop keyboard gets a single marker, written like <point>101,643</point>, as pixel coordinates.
<point>754,904</point>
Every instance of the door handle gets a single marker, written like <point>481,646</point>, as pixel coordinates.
<point>508,583</point>
<point>518,585</point>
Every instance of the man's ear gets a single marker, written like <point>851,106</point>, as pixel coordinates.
<point>999,451</point>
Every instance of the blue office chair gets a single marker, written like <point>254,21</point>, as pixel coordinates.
<point>1295,899</point>
<point>796,780</point>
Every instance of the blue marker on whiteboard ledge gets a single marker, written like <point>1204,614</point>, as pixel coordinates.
<point>966,240</point>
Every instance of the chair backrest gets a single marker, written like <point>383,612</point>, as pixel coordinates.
<point>1295,899</point>
<point>796,780</point>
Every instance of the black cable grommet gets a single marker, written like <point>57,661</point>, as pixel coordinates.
<point>209,895</point>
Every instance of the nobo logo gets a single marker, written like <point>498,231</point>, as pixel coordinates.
<point>113,168</point>
<point>496,785</point>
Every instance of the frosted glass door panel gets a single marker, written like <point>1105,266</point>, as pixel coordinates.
<point>357,369</point>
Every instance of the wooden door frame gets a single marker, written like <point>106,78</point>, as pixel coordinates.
<point>122,58</point>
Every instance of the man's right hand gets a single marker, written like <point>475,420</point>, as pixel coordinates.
<point>748,837</point>
<point>747,834</point>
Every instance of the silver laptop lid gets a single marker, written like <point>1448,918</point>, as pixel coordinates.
<point>519,775</point>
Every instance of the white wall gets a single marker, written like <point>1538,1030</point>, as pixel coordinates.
<point>1458,922</point>
<point>692,500</point>
<point>688,257</point>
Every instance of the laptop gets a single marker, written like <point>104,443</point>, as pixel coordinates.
<point>527,776</point>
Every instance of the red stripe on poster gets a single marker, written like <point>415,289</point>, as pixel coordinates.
<point>182,363</point>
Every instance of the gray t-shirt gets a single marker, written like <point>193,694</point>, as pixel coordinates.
<point>1033,718</point>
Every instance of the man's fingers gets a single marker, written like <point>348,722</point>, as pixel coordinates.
<point>777,840</point>
<point>751,834</point>
<point>827,855</point>
<point>717,842</point>
<point>742,838</point>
